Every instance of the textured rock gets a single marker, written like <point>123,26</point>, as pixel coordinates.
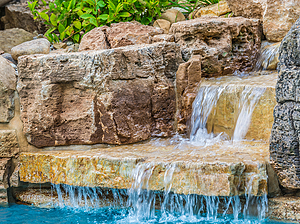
<point>116,96</point>
<point>13,37</point>
<point>218,9</point>
<point>252,9</point>
<point>38,46</point>
<point>188,78</point>
<point>163,24</point>
<point>5,164</point>
<point>284,143</point>
<point>118,35</point>
<point>225,44</point>
<point>220,170</point>
<point>7,90</point>
<point>279,18</point>
<point>8,143</point>
<point>95,40</point>
<point>19,16</point>
<point>163,37</point>
<point>223,117</point>
<point>173,16</point>
<point>284,208</point>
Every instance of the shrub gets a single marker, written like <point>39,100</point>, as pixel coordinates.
<point>70,19</point>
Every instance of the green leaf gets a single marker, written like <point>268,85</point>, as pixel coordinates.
<point>77,24</point>
<point>86,16</point>
<point>62,35</point>
<point>124,14</point>
<point>101,3</point>
<point>76,37</point>
<point>53,19</point>
<point>61,28</point>
<point>112,5</point>
<point>94,22</point>
<point>103,17</point>
<point>44,16</point>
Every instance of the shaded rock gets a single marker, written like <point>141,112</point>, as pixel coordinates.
<point>38,46</point>
<point>8,143</point>
<point>226,45</point>
<point>116,96</point>
<point>173,16</point>
<point>95,40</point>
<point>7,90</point>
<point>284,143</point>
<point>188,78</point>
<point>4,2</point>
<point>251,9</point>
<point>13,37</point>
<point>214,10</point>
<point>284,208</point>
<point>19,16</point>
<point>279,18</point>
<point>163,37</point>
<point>9,58</point>
<point>163,24</point>
<point>118,35</point>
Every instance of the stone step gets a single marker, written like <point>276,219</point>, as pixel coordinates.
<point>221,170</point>
<point>224,116</point>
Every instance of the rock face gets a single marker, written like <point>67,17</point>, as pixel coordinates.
<point>19,16</point>
<point>38,46</point>
<point>252,9</point>
<point>5,164</point>
<point>284,208</point>
<point>8,143</point>
<point>279,18</point>
<point>118,35</point>
<point>188,78</point>
<point>7,90</point>
<point>218,9</point>
<point>226,45</point>
<point>212,171</point>
<point>284,143</point>
<point>13,37</point>
<point>115,96</point>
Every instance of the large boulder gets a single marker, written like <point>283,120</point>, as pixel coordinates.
<point>116,96</point>
<point>13,37</point>
<point>285,136</point>
<point>19,16</point>
<point>226,45</point>
<point>7,90</point>
<point>118,35</point>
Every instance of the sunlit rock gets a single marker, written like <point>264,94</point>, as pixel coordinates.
<point>116,96</point>
<point>216,10</point>
<point>219,170</point>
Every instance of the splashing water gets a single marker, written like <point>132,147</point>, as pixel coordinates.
<point>268,57</point>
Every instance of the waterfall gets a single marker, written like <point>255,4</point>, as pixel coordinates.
<point>268,57</point>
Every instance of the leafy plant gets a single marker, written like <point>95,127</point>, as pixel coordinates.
<point>190,6</point>
<point>72,18</point>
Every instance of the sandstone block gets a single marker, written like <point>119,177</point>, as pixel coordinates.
<point>7,90</point>
<point>38,46</point>
<point>284,208</point>
<point>9,146</point>
<point>173,16</point>
<point>226,45</point>
<point>118,35</point>
<point>279,18</point>
<point>188,78</point>
<point>116,96</point>
<point>218,9</point>
<point>13,37</point>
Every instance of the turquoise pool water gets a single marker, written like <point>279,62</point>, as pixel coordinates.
<point>23,214</point>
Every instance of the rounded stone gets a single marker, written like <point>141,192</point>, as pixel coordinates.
<point>173,16</point>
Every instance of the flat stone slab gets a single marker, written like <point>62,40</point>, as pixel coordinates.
<point>221,170</point>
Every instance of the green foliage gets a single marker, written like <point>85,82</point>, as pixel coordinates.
<point>191,5</point>
<point>69,19</point>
